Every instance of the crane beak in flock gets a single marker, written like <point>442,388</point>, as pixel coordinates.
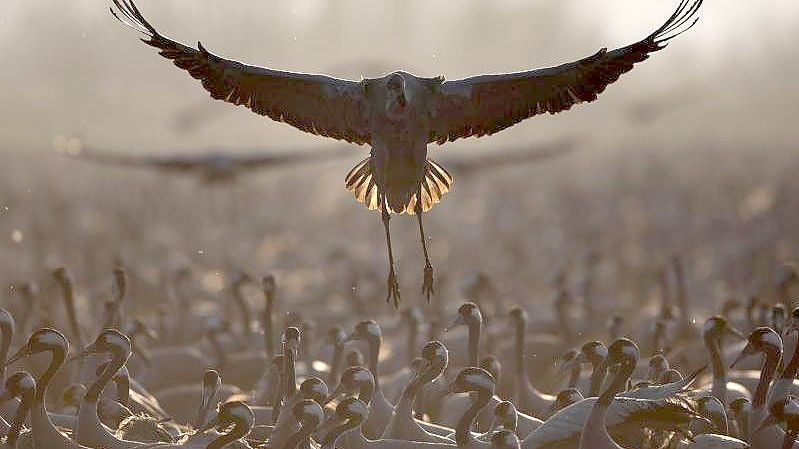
<point>91,349</point>
<point>745,353</point>
<point>21,354</point>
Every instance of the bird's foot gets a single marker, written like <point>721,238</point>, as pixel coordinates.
<point>427,287</point>
<point>393,288</point>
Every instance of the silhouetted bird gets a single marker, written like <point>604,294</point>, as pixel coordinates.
<point>216,166</point>
<point>399,114</point>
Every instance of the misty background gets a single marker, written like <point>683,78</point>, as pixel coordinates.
<point>693,152</point>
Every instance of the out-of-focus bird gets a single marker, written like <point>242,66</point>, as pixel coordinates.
<point>216,166</point>
<point>399,114</point>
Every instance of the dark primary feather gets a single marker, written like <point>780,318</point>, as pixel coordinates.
<point>484,105</point>
<point>317,104</point>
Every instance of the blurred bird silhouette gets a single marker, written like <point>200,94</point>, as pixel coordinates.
<point>399,114</point>
<point>217,166</point>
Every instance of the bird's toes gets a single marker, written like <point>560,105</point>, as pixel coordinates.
<point>427,287</point>
<point>393,289</point>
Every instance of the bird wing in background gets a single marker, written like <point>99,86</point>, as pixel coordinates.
<point>317,104</point>
<point>486,104</point>
<point>261,159</point>
<point>169,163</point>
<point>527,154</point>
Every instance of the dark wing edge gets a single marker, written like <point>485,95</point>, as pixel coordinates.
<point>486,104</point>
<point>317,104</point>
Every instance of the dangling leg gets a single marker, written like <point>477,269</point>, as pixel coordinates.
<point>427,287</point>
<point>393,285</point>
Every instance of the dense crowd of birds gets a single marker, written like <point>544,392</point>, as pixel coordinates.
<point>191,377</point>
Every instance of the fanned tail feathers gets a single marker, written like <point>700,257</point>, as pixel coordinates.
<point>436,183</point>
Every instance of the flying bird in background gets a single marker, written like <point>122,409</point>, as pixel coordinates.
<point>215,166</point>
<point>399,114</point>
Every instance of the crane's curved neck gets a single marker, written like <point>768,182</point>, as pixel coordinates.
<point>239,431</point>
<point>57,358</point>
<point>713,346</point>
<point>374,343</point>
<point>118,360</point>
<point>19,418</point>
<point>347,426</point>
<point>244,310</point>
<point>6,335</point>
<point>366,392</point>
<point>268,326</point>
<point>475,326</point>
<point>792,368</point>
<point>598,373</point>
<point>300,436</point>
<point>289,373</point>
<point>463,433</point>
<point>772,358</point>
<point>574,375</point>
<point>521,366</point>
<point>338,354</point>
<point>122,382</point>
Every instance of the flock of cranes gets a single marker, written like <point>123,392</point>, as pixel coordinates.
<point>224,377</point>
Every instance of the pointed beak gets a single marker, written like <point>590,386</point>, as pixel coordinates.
<point>91,349</point>
<point>21,354</point>
<point>455,323</point>
<point>333,395</point>
<point>5,396</point>
<point>741,356</point>
<point>735,332</point>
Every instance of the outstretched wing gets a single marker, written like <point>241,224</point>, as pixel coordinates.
<point>317,104</point>
<point>484,105</point>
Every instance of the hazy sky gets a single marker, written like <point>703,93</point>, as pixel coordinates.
<point>71,69</point>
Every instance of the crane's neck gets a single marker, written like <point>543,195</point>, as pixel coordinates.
<point>770,361</point>
<point>374,343</point>
<point>348,427</point>
<point>96,388</point>
<point>244,310</point>
<point>463,435</point>
<point>598,374</point>
<point>19,418</point>
<point>269,341</point>
<point>574,375</point>
<point>57,358</point>
<point>289,372</point>
<point>338,353</point>
<point>298,437</point>
<point>521,366</point>
<point>475,326</point>
<point>792,368</point>
<point>713,345</point>
<point>239,431</point>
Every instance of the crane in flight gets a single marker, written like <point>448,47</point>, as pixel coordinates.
<point>399,114</point>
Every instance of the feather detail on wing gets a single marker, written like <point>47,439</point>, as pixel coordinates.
<point>486,104</point>
<point>317,104</point>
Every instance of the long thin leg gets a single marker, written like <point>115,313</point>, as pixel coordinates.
<point>393,284</point>
<point>427,287</point>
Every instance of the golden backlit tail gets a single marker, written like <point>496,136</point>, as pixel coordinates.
<point>437,182</point>
<point>361,182</point>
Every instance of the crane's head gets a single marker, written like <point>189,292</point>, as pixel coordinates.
<point>397,95</point>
